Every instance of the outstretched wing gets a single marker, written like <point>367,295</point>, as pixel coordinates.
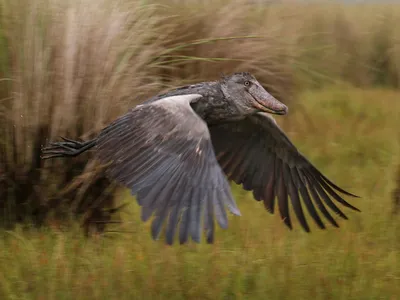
<point>163,152</point>
<point>255,152</point>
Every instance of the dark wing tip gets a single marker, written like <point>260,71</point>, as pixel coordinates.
<point>210,237</point>
<point>332,184</point>
<point>288,222</point>
<point>328,187</point>
<point>351,195</point>
<point>342,190</point>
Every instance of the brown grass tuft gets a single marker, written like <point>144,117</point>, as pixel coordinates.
<point>73,67</point>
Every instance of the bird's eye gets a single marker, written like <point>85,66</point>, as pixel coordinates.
<point>247,83</point>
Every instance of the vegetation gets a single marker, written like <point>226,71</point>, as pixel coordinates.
<point>70,67</point>
<point>257,256</point>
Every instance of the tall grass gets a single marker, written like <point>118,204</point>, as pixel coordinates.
<point>70,67</point>
<point>70,63</point>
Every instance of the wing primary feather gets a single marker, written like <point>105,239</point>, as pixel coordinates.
<point>239,173</point>
<point>259,177</point>
<point>158,221</point>
<point>141,195</point>
<point>332,184</point>
<point>194,220</point>
<point>336,196</point>
<point>319,202</point>
<point>326,198</point>
<point>189,214</point>
<point>219,210</point>
<point>225,193</point>
<point>242,173</point>
<point>226,160</point>
<point>283,204</point>
<point>147,210</point>
<point>269,192</point>
<point>150,200</point>
<point>294,197</point>
<point>234,166</point>
<point>202,191</point>
<point>258,193</point>
<point>209,216</point>
<point>306,198</point>
<point>178,198</point>
<point>223,156</point>
<point>185,219</point>
<point>248,170</point>
<point>162,204</point>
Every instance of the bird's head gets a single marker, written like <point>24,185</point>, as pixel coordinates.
<point>248,94</point>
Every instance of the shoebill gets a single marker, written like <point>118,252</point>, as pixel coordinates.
<point>177,152</point>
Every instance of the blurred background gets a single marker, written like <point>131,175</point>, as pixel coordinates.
<point>70,67</point>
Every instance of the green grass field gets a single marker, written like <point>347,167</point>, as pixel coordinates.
<point>351,134</point>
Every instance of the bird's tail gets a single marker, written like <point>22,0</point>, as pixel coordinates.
<point>67,148</point>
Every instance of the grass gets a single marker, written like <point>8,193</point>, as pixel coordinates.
<point>351,134</point>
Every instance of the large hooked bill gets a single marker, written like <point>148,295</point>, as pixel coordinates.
<point>266,102</point>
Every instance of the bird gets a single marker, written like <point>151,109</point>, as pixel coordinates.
<point>179,151</point>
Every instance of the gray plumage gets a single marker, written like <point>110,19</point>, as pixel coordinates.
<point>177,151</point>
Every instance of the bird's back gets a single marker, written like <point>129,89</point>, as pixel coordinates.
<point>211,88</point>
<point>212,107</point>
